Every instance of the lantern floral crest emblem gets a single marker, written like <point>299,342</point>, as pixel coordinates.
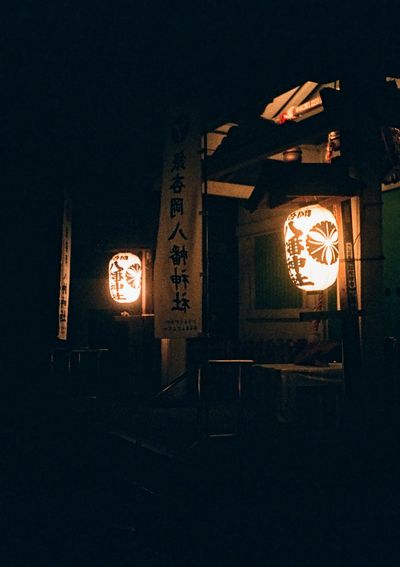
<point>312,248</point>
<point>125,277</point>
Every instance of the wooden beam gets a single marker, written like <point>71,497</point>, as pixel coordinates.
<point>284,181</point>
<point>324,315</point>
<point>224,189</point>
<point>269,140</point>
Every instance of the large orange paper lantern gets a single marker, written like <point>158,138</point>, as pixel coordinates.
<point>312,248</point>
<point>125,277</point>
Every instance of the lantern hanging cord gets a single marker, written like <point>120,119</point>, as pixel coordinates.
<point>329,150</point>
<point>372,259</point>
<point>318,307</point>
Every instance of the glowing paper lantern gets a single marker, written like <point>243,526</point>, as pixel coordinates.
<point>312,248</point>
<point>125,277</point>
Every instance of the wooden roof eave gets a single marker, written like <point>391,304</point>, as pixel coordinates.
<point>265,144</point>
<point>282,181</point>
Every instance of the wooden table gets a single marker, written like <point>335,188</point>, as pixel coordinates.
<point>278,386</point>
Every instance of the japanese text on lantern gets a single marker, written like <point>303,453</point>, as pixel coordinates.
<point>294,248</point>
<point>312,253</point>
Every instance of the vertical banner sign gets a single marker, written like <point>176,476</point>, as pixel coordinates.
<point>65,269</point>
<point>178,265</point>
<point>351,286</point>
<point>348,302</point>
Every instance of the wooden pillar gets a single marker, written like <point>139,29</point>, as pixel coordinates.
<point>372,329</point>
<point>362,150</point>
<point>348,284</point>
<point>173,359</point>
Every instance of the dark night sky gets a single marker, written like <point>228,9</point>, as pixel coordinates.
<point>84,82</point>
<point>85,85</point>
<point>88,78</point>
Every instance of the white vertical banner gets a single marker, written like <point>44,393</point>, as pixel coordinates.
<point>178,285</point>
<point>65,269</point>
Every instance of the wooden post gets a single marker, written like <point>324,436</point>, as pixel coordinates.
<point>354,395</point>
<point>362,150</point>
<point>372,329</point>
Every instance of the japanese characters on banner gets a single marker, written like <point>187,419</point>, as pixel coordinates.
<point>65,270</point>
<point>178,266</point>
<point>350,267</point>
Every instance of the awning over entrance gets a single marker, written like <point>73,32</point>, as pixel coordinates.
<point>280,182</point>
<point>246,159</point>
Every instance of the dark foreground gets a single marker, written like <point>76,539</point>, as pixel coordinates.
<point>74,494</point>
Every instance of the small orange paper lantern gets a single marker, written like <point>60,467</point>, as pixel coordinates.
<point>125,277</point>
<point>312,248</point>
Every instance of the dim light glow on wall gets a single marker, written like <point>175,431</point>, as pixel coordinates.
<point>125,277</point>
<point>312,248</point>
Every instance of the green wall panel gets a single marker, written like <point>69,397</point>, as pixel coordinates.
<point>391,269</point>
<point>273,287</point>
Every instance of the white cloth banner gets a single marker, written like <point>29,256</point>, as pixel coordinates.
<point>178,285</point>
<point>65,269</point>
